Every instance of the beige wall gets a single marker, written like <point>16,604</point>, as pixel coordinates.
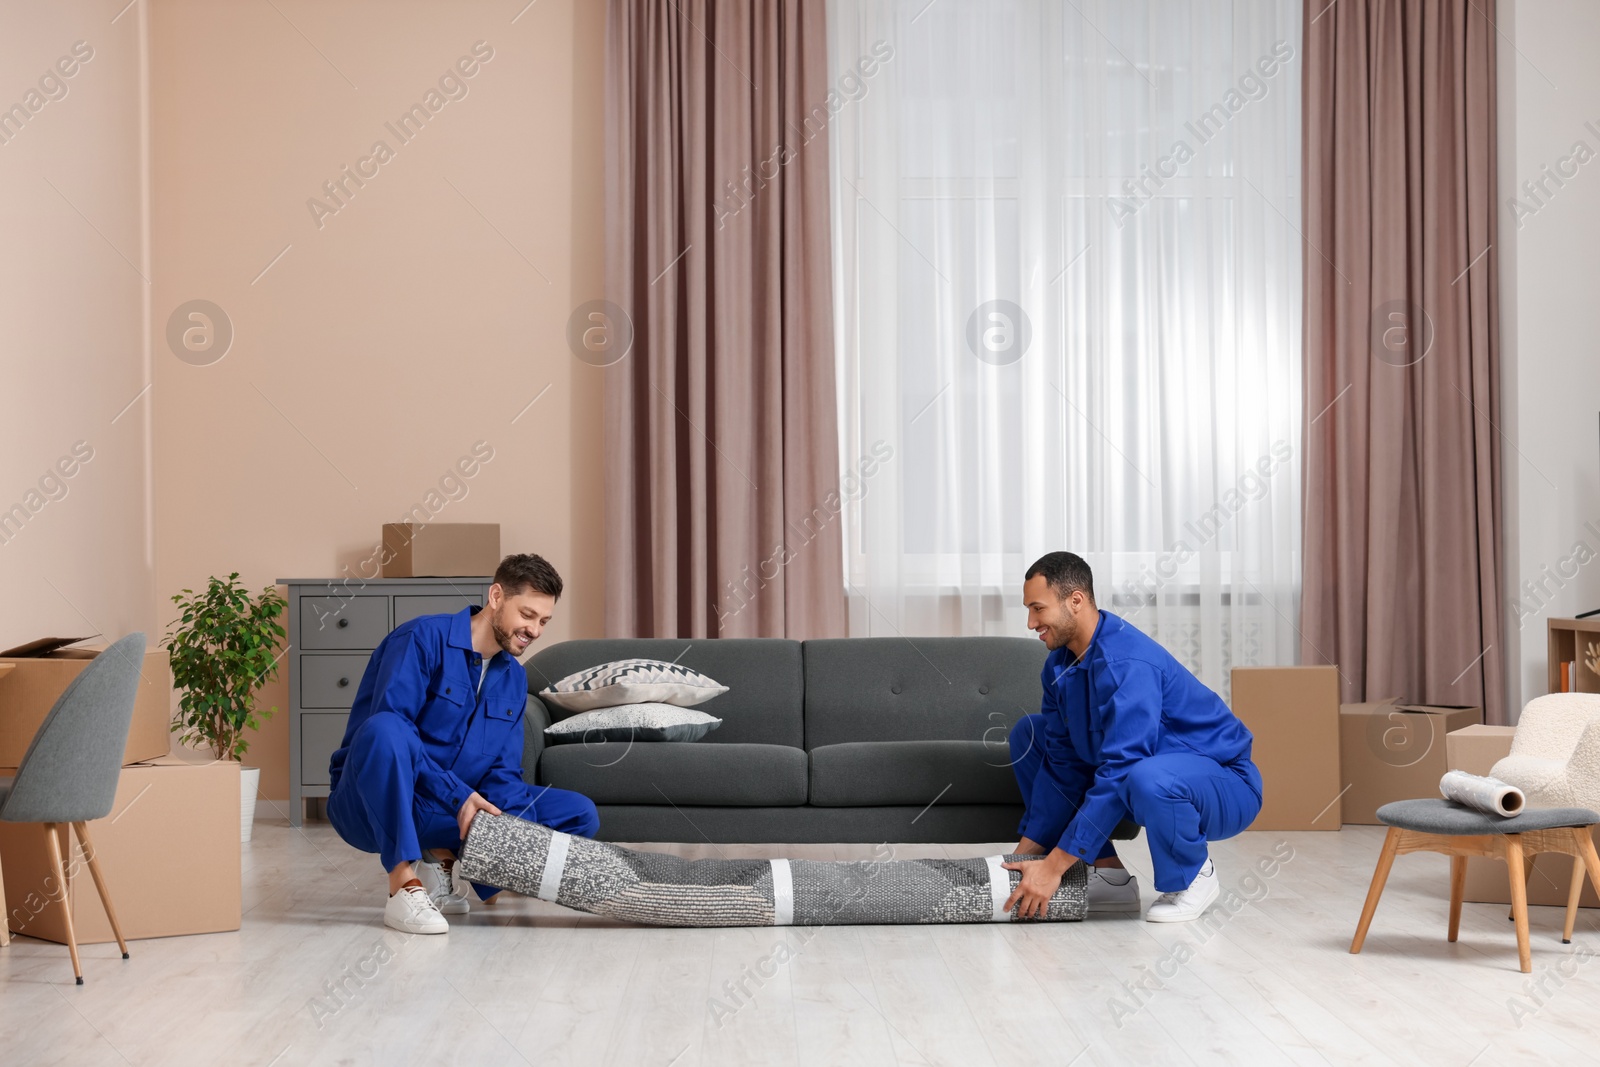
<point>418,319</point>
<point>78,557</point>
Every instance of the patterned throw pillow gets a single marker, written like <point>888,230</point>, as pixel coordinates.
<point>633,722</point>
<point>632,681</point>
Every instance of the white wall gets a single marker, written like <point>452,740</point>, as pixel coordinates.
<point>1549,89</point>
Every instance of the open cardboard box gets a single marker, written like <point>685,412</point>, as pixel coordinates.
<point>169,852</point>
<point>29,688</point>
<point>1392,751</point>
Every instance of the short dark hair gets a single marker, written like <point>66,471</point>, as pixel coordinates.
<point>525,572</point>
<point>1066,573</point>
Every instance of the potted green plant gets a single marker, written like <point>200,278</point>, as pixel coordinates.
<point>224,649</point>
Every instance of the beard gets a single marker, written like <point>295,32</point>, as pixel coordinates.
<point>1061,634</point>
<point>503,636</point>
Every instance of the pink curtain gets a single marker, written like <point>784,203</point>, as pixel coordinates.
<point>1403,555</point>
<point>721,427</point>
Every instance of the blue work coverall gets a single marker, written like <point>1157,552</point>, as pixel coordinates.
<point>1128,733</point>
<point>422,737</point>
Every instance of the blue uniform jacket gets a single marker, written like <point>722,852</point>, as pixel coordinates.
<point>426,671</point>
<point>1127,699</point>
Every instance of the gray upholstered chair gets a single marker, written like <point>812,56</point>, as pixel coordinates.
<point>69,774</point>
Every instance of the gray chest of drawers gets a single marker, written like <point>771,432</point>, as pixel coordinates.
<point>334,625</point>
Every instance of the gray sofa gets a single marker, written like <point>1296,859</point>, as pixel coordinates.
<point>854,740</point>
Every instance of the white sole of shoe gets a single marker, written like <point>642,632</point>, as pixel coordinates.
<point>410,928</point>
<point>1168,914</point>
<point>452,907</point>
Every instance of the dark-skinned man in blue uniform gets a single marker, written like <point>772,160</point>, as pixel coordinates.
<point>1125,731</point>
<point>435,736</point>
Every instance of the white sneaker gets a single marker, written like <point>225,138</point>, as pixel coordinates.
<point>443,887</point>
<point>412,911</point>
<point>1106,896</point>
<point>1187,904</point>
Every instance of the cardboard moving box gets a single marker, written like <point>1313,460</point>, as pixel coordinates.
<point>169,852</point>
<point>1475,750</point>
<point>1294,714</point>
<point>29,690</point>
<point>440,549</point>
<point>1391,751</point>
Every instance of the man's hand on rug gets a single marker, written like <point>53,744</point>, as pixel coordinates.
<point>1040,880</point>
<point>470,807</point>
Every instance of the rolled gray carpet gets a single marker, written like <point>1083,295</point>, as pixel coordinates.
<point>661,890</point>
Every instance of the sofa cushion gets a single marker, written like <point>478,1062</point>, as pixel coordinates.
<point>631,681</point>
<point>763,676</point>
<point>919,689</point>
<point>867,773</point>
<point>660,772</point>
<point>632,722</point>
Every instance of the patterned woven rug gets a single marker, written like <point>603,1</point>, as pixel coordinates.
<point>661,890</point>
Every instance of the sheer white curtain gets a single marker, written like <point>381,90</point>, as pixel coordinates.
<point>1067,270</point>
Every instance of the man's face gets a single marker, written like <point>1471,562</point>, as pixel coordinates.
<point>1053,618</point>
<point>517,621</point>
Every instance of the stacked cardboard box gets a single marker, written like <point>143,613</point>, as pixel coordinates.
<point>28,690</point>
<point>169,850</point>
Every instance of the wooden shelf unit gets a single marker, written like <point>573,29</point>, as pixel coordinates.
<point>1571,641</point>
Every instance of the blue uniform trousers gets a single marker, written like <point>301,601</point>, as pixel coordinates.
<point>1182,800</point>
<point>375,807</point>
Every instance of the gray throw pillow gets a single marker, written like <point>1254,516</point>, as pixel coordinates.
<point>632,722</point>
<point>632,681</point>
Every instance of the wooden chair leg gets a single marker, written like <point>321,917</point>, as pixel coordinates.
<point>1574,891</point>
<point>100,883</point>
<point>1527,877</point>
<point>1519,899</point>
<point>1380,875</point>
<point>1583,839</point>
<point>1458,891</point>
<point>53,840</point>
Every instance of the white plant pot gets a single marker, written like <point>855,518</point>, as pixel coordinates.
<point>249,783</point>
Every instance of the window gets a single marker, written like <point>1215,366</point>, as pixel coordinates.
<point>1067,285</point>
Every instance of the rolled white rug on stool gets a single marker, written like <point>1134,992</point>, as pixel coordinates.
<point>1488,795</point>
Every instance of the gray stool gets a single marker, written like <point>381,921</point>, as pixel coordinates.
<point>1437,825</point>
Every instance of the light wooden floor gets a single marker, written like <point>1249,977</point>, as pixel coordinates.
<point>531,983</point>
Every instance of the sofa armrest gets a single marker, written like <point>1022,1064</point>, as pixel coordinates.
<point>535,720</point>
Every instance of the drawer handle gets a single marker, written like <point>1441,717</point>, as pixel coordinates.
<point>343,682</point>
<point>343,623</point>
